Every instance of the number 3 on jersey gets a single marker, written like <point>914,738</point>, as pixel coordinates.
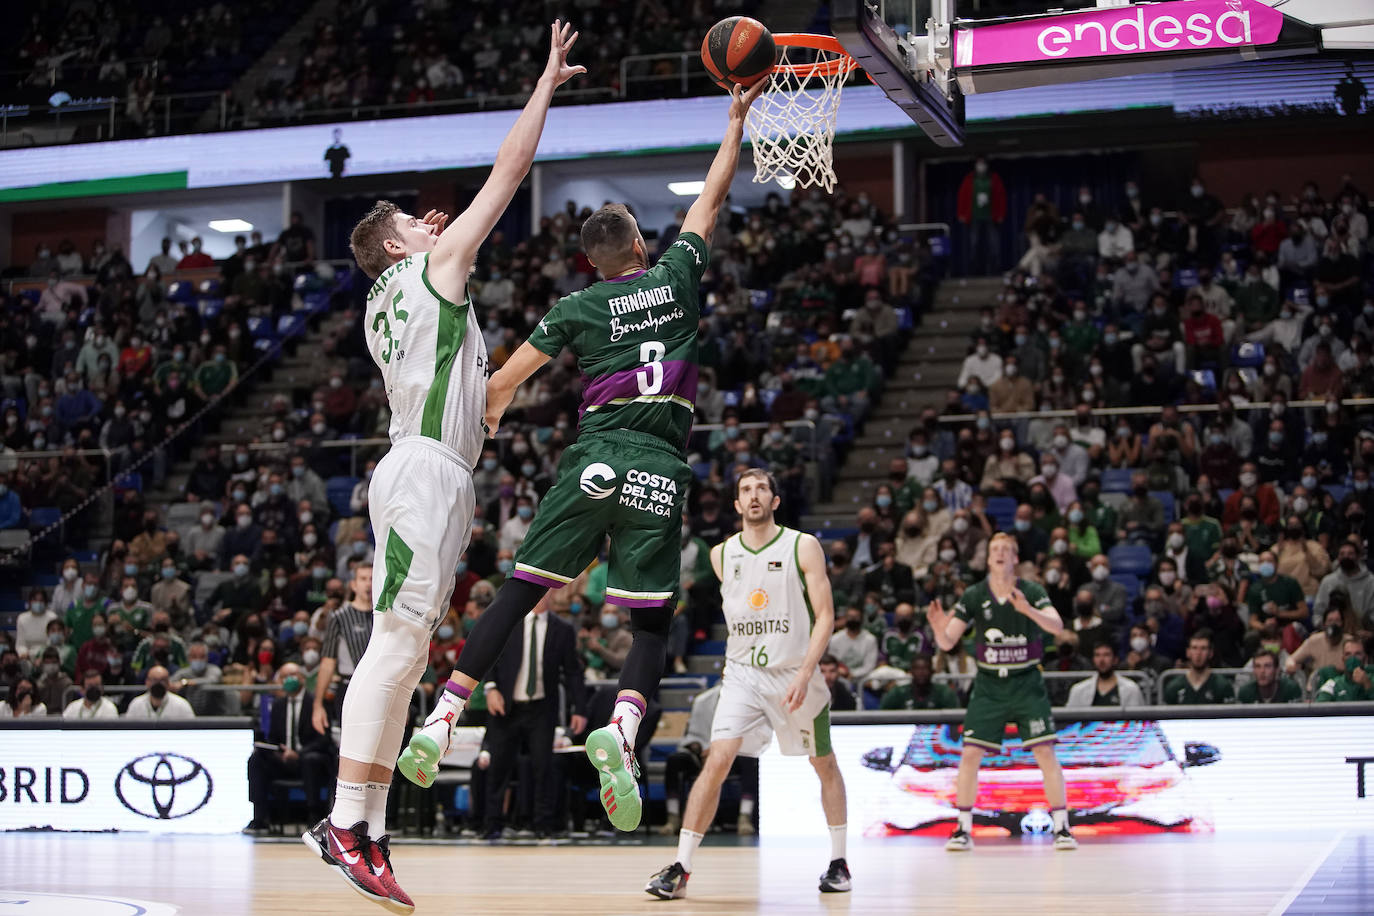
<point>650,377</point>
<point>381,322</point>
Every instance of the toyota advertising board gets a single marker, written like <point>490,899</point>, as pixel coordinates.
<point>1131,776</point>
<point>163,780</point>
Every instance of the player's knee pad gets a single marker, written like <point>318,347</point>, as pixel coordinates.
<point>651,622</point>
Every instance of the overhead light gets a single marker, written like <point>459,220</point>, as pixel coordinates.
<point>687,188</point>
<point>786,182</point>
<point>231,225</point>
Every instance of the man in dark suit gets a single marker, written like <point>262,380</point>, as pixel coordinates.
<point>290,749</point>
<point>523,710</point>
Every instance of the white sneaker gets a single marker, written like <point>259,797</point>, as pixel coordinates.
<point>419,762</point>
<point>959,841</point>
<point>1064,840</point>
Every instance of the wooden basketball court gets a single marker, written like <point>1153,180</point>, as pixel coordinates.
<point>94,874</point>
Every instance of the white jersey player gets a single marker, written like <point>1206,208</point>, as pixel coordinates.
<point>428,345</point>
<point>780,616</point>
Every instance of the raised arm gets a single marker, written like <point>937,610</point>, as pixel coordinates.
<point>701,217</point>
<point>948,629</point>
<point>453,255</point>
<point>1047,618</point>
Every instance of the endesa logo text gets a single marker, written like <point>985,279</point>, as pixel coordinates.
<point>1182,25</point>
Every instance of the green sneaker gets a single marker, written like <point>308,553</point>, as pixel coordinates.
<point>420,761</point>
<point>615,763</point>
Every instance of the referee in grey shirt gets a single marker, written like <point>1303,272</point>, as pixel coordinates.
<point>345,641</point>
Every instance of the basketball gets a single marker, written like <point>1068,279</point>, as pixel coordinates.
<point>738,50</point>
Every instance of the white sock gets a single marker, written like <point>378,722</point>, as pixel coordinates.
<point>837,834</point>
<point>629,712</point>
<point>966,820</point>
<point>449,702</point>
<point>674,806</point>
<point>746,807</point>
<point>687,843</point>
<point>350,804</point>
<point>1061,819</point>
<point>376,807</point>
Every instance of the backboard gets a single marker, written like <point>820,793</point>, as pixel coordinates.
<point>927,60</point>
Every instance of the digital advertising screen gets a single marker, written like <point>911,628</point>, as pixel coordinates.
<point>148,780</point>
<point>1132,776</point>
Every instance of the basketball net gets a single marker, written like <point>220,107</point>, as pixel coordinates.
<point>792,124</point>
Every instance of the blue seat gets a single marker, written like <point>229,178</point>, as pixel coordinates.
<point>904,320</point>
<point>209,307</point>
<point>259,328</point>
<point>1166,499</point>
<point>31,296</point>
<point>1206,379</point>
<point>1224,495</point>
<point>181,291</point>
<point>43,516</point>
<point>710,647</point>
<point>11,603</point>
<point>1247,355</point>
<point>210,287</point>
<point>768,396</point>
<point>1136,559</point>
<point>316,301</point>
<point>1002,509</point>
<point>1337,491</point>
<point>834,534</point>
<point>730,398</point>
<point>290,325</point>
<point>1129,582</point>
<point>130,481</point>
<point>702,470</point>
<point>340,493</point>
<point>1186,278</point>
<point>86,556</point>
<point>760,299</point>
<point>1117,480</point>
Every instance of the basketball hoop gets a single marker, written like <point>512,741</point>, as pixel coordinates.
<point>792,124</point>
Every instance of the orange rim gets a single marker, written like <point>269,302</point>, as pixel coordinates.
<point>836,65</point>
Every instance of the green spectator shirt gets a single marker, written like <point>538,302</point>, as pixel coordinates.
<point>214,376</point>
<point>899,650</point>
<point>1202,537</point>
<point>1343,690</point>
<point>938,697</point>
<point>850,376</point>
<point>78,620</point>
<point>1216,689</point>
<point>1288,692</point>
<point>1284,591</point>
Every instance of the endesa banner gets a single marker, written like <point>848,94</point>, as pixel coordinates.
<point>148,780</point>
<point>1181,25</point>
<point>1123,777</point>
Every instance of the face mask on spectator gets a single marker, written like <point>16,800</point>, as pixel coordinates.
<point>1248,479</point>
<point>1167,577</point>
<point>1075,516</point>
<point>505,566</point>
<point>243,521</point>
<point>947,555</point>
<point>1022,525</point>
<point>240,569</point>
<point>930,505</point>
<point>89,592</point>
<point>1100,573</point>
<point>169,572</point>
<point>609,621</point>
<point>1140,643</point>
<point>960,525</point>
<point>525,512</point>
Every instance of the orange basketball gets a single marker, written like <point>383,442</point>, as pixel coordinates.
<point>738,50</point>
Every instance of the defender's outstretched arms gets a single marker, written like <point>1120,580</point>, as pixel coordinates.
<point>457,247</point>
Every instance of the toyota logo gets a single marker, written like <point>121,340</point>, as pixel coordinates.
<point>163,786</point>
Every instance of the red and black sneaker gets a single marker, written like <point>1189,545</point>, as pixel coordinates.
<point>350,852</point>
<point>381,867</point>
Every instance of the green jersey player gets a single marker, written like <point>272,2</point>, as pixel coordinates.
<point>635,338</point>
<point>1007,615</point>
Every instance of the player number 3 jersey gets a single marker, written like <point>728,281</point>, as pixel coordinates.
<point>433,369</point>
<point>767,609</point>
<point>636,343</point>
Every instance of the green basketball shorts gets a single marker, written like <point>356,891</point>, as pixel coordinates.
<point>1019,698</point>
<point>628,485</point>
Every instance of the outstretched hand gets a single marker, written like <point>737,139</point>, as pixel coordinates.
<point>741,99</point>
<point>936,615</point>
<point>560,43</point>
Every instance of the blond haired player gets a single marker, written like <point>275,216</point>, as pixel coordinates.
<point>776,596</point>
<point>1007,615</point>
<point>428,346</point>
